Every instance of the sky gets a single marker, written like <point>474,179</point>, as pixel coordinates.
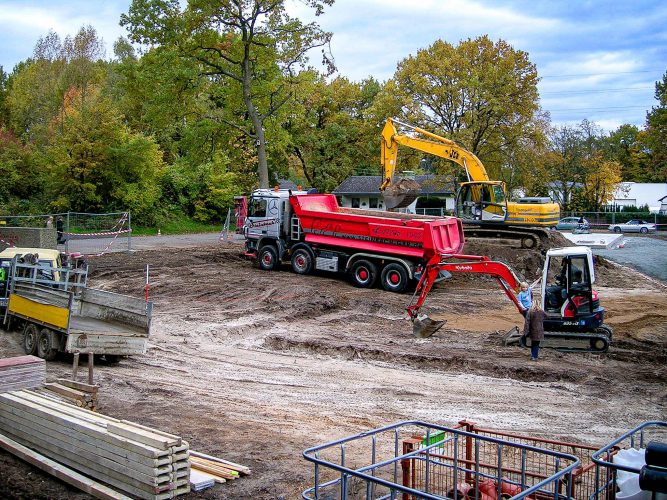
<point>597,60</point>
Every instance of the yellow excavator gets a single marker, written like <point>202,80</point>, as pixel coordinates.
<point>482,204</point>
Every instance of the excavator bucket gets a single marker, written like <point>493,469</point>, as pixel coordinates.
<point>401,194</point>
<point>424,327</point>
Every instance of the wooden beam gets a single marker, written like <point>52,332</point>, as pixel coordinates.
<point>63,473</point>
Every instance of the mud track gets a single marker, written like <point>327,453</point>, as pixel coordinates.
<point>256,366</point>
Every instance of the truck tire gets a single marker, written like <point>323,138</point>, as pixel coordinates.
<point>302,261</point>
<point>394,278</point>
<point>363,274</point>
<point>46,345</point>
<point>30,338</point>
<point>268,258</point>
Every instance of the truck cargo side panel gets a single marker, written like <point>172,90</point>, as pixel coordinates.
<point>38,311</point>
<point>113,307</point>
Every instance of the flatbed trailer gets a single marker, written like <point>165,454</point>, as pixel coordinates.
<point>67,316</point>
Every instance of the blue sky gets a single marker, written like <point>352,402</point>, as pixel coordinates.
<point>597,60</point>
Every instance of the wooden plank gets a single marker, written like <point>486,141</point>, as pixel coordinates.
<point>241,468</point>
<point>59,450</point>
<point>39,402</point>
<point>84,446</point>
<point>136,433</point>
<point>159,432</point>
<point>63,473</point>
<point>133,487</point>
<point>78,425</point>
<point>79,386</point>
<point>68,391</point>
<point>21,360</point>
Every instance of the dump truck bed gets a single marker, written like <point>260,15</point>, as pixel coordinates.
<point>325,223</point>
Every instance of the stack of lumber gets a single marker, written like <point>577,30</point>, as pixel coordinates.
<point>21,372</point>
<point>137,460</point>
<point>217,469</point>
<point>76,393</point>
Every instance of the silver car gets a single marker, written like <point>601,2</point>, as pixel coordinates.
<point>633,226</point>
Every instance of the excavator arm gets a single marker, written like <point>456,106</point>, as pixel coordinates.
<point>423,326</point>
<point>439,146</point>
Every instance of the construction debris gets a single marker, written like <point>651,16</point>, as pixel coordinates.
<point>137,460</point>
<point>21,372</point>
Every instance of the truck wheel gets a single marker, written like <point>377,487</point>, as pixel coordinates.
<point>30,337</point>
<point>46,345</point>
<point>364,274</point>
<point>302,261</point>
<point>394,278</point>
<point>268,258</point>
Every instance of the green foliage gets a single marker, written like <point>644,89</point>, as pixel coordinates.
<point>97,163</point>
<point>21,179</point>
<point>329,136</point>
<point>248,50</point>
<point>656,133</point>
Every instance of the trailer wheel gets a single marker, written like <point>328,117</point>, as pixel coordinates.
<point>394,278</point>
<point>268,258</point>
<point>46,345</point>
<point>364,274</point>
<point>302,261</point>
<point>112,359</point>
<point>30,337</point>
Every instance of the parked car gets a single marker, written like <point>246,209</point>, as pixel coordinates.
<point>633,226</point>
<point>572,223</point>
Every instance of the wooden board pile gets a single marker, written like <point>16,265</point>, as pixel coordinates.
<point>214,468</point>
<point>21,372</point>
<point>140,461</point>
<point>77,393</point>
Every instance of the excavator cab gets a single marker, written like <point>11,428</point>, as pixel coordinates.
<point>482,201</point>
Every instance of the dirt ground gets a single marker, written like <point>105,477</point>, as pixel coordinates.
<point>257,366</point>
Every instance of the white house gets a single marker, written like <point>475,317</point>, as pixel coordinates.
<point>639,194</point>
<point>437,195</point>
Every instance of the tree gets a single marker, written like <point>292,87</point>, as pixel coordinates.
<point>656,133</point>
<point>329,136</point>
<point>481,94</point>
<point>97,163</point>
<point>251,46</point>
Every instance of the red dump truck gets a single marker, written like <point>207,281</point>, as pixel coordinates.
<point>312,232</point>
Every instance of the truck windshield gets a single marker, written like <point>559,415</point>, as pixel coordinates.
<point>257,207</point>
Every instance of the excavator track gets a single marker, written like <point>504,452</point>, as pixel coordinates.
<point>597,341</point>
<point>530,237</point>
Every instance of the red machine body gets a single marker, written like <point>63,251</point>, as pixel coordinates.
<point>327,224</point>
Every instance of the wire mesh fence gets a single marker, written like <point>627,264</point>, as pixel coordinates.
<point>79,232</point>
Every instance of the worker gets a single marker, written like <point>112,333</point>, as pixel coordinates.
<point>534,328</point>
<point>59,230</point>
<point>525,297</point>
<point>49,221</point>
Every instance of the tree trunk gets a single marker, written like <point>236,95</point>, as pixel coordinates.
<point>260,142</point>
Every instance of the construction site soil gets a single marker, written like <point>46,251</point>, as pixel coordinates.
<point>256,366</point>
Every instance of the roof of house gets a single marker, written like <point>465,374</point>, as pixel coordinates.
<point>370,185</point>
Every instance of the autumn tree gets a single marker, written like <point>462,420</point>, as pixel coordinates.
<point>96,163</point>
<point>247,48</point>
<point>481,94</point>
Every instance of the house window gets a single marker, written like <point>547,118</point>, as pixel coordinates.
<point>355,202</point>
<point>372,202</point>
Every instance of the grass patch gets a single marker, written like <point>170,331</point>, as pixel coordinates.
<point>179,226</point>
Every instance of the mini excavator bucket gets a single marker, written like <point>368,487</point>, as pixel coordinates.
<point>424,327</point>
<point>401,194</point>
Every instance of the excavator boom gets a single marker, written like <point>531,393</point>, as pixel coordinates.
<point>399,193</point>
